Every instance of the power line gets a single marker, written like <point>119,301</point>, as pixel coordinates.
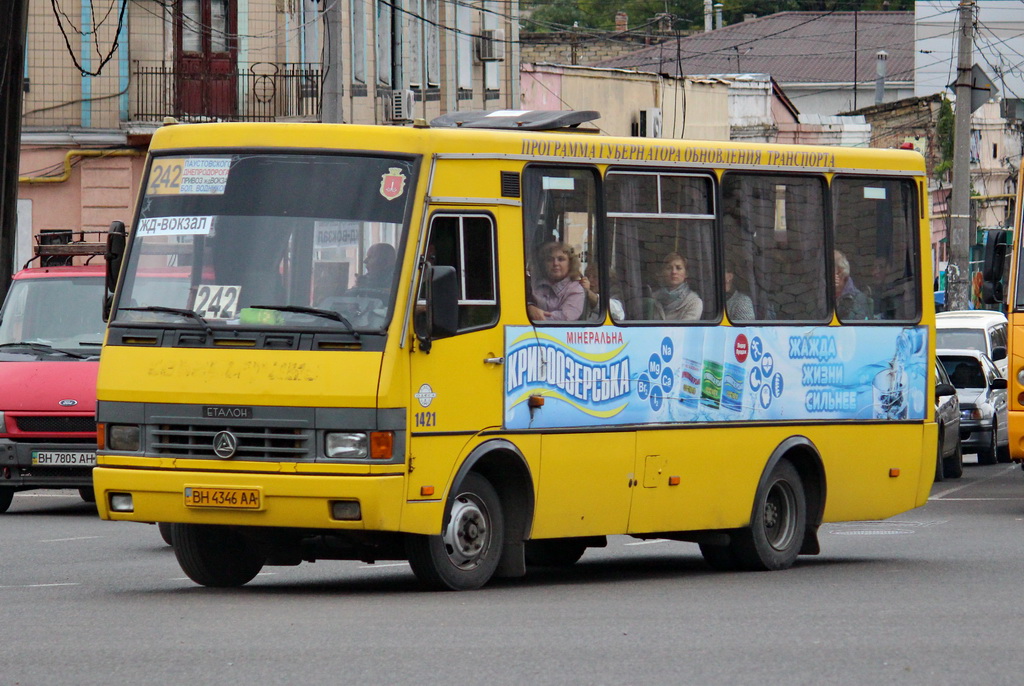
<point>57,12</point>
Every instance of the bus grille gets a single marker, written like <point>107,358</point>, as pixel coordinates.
<point>254,443</point>
<point>57,424</point>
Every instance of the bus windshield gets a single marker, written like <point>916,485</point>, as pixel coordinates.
<point>279,240</point>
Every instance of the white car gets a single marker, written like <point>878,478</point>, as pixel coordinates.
<point>981,330</point>
<point>981,392</point>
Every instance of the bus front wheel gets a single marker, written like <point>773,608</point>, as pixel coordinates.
<point>465,555</point>
<point>215,555</point>
<point>776,533</point>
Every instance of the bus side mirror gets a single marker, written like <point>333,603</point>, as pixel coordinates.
<point>992,271</point>
<point>114,255</point>
<point>438,317</point>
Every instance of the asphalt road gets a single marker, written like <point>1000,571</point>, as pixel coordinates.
<point>932,596</point>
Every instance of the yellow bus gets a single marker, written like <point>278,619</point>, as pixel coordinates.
<point>490,345</point>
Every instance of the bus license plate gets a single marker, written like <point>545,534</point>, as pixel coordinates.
<point>230,498</point>
<point>54,458</point>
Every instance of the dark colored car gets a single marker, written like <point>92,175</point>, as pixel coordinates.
<point>981,391</point>
<point>949,463</point>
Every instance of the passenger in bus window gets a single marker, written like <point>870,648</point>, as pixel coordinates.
<point>675,296</point>
<point>591,287</point>
<point>851,304</point>
<point>380,267</point>
<point>738,305</point>
<point>557,294</point>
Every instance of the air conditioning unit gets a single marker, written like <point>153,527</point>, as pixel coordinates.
<point>490,45</point>
<point>648,123</point>
<point>400,107</point>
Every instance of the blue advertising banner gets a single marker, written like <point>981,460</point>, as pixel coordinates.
<point>610,375</point>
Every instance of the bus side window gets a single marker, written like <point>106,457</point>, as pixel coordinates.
<point>777,224</point>
<point>559,229</point>
<point>466,242</point>
<point>663,244</point>
<point>876,229</point>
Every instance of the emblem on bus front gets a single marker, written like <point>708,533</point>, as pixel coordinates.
<point>425,395</point>
<point>224,444</point>
<point>392,184</point>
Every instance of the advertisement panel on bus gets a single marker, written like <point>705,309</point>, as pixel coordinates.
<point>713,374</point>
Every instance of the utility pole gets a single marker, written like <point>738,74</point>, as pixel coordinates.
<point>13,29</point>
<point>332,111</point>
<point>958,276</point>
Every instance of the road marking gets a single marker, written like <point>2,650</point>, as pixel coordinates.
<point>40,585</point>
<point>62,540</point>
<point>653,540</point>
<point>871,532</point>
<point>388,564</point>
<point>941,495</point>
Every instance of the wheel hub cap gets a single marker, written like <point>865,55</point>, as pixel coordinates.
<point>466,537</point>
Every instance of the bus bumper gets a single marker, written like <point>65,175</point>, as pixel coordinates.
<point>285,500</point>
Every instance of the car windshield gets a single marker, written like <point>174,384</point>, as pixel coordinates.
<point>53,312</point>
<point>964,371</point>
<point>963,339</point>
<point>279,240</point>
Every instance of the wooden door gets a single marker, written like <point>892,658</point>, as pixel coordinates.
<point>207,55</point>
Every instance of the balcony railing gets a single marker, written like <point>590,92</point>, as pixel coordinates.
<point>262,91</point>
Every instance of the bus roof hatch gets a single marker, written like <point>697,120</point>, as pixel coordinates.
<point>521,120</point>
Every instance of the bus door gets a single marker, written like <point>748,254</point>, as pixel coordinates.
<point>586,470</point>
<point>457,386</point>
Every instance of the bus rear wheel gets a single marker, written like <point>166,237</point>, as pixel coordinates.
<point>215,556</point>
<point>776,532</point>
<point>465,555</point>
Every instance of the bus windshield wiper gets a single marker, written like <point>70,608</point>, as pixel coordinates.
<point>45,349</point>
<point>316,312</point>
<point>174,310</point>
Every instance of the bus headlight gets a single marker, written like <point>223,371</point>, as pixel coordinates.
<point>123,437</point>
<point>337,444</point>
<point>1020,376</point>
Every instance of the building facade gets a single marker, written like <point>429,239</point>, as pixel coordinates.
<point>101,76</point>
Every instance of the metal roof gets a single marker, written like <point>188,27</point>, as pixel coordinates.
<point>793,47</point>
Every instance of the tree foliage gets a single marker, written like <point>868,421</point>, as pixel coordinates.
<point>558,15</point>
<point>945,128</point>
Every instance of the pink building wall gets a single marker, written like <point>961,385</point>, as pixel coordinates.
<point>94,192</point>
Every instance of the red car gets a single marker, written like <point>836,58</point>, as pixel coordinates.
<point>51,330</point>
